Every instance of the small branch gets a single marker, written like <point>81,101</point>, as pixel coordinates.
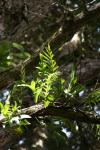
<point>32,109</point>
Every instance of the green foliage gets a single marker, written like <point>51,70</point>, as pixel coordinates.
<point>98,131</point>
<point>11,54</point>
<point>7,111</point>
<point>9,117</point>
<point>20,53</point>
<point>47,63</point>
<point>94,97</point>
<point>5,48</point>
<point>17,46</point>
<point>73,88</point>
<point>47,83</point>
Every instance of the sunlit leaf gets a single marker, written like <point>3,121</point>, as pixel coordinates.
<point>46,103</point>
<point>37,94</point>
<point>32,86</point>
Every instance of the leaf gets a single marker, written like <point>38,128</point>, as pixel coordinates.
<point>14,108</point>
<point>24,122</point>
<point>73,77</point>
<point>32,86</point>
<point>45,55</point>
<point>37,94</point>
<point>5,110</point>
<point>18,46</point>
<point>1,106</point>
<point>5,47</point>
<point>51,98</point>
<point>22,55</point>
<point>24,85</point>
<point>46,103</point>
<point>94,97</point>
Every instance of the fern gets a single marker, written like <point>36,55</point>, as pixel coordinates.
<point>46,82</point>
<point>94,97</point>
<point>47,63</point>
<point>47,78</point>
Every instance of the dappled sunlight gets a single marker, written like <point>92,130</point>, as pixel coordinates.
<point>49,75</point>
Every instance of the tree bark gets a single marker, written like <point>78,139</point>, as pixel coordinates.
<point>13,74</point>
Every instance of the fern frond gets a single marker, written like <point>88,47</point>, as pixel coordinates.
<point>47,63</point>
<point>94,97</point>
<point>46,83</point>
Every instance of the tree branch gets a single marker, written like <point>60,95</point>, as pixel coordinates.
<point>65,112</point>
<point>39,110</point>
<point>61,111</point>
